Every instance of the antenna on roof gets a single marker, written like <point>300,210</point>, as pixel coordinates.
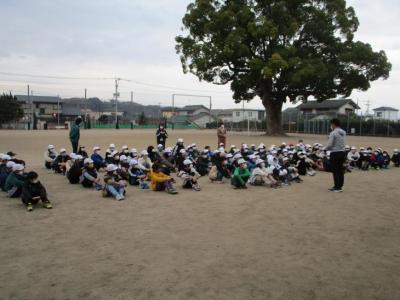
<point>368,103</point>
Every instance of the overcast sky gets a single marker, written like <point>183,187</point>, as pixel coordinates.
<point>135,40</point>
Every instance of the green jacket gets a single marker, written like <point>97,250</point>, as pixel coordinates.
<point>242,175</point>
<point>74,133</point>
<point>14,180</point>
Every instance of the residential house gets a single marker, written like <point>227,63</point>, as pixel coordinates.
<point>329,107</point>
<point>192,110</point>
<point>239,115</point>
<point>386,113</point>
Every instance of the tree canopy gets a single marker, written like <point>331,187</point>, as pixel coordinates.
<point>280,51</point>
<point>10,109</point>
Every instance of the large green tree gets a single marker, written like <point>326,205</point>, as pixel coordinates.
<point>280,51</point>
<point>10,109</point>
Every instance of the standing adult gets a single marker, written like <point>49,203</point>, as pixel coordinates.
<point>336,145</point>
<point>161,135</point>
<point>74,134</point>
<point>221,133</point>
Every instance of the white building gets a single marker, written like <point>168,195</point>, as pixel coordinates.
<point>192,110</point>
<point>386,113</point>
<point>239,115</point>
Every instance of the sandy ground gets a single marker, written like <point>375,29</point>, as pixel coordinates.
<point>299,242</point>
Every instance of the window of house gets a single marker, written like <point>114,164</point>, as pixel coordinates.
<point>42,111</point>
<point>238,114</point>
<point>37,105</point>
<point>379,114</point>
<point>250,114</point>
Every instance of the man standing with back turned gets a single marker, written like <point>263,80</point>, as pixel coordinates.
<point>74,134</point>
<point>336,146</point>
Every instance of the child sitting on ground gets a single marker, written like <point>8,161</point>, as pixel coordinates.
<point>33,192</point>
<point>49,156</point>
<point>60,163</point>
<point>114,184</point>
<point>90,178</point>
<point>98,160</point>
<point>74,169</point>
<point>161,181</point>
<point>15,180</point>
<point>5,170</point>
<point>137,176</point>
<point>241,175</point>
<point>261,176</point>
<point>189,176</point>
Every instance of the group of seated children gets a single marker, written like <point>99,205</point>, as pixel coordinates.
<point>19,184</point>
<point>255,165</point>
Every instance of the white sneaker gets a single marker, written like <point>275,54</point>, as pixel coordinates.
<point>119,197</point>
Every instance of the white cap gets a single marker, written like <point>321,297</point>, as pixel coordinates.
<point>123,158</point>
<point>187,162</point>
<point>353,148</point>
<point>112,146</point>
<point>221,144</point>
<point>79,157</point>
<point>133,150</point>
<point>237,156</point>
<point>144,152</point>
<point>229,155</point>
<point>62,150</point>
<point>232,146</point>
<point>125,147</point>
<point>73,156</point>
<point>160,146</point>
<point>396,150</point>
<point>17,167</point>
<point>115,152</point>
<point>182,151</point>
<point>241,161</point>
<point>6,157</point>
<point>259,161</point>
<point>10,164</point>
<point>180,140</point>
<point>133,162</point>
<point>111,168</point>
<point>221,149</point>
<point>87,161</point>
<point>285,158</point>
<point>168,150</point>
<point>50,147</point>
<point>252,156</point>
<point>244,146</point>
<point>95,148</point>
<point>2,155</point>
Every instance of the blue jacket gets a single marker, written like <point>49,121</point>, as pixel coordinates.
<point>74,133</point>
<point>98,160</point>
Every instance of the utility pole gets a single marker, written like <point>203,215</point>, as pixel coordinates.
<point>116,94</point>
<point>30,118</point>
<point>131,97</point>
<point>85,108</point>
<point>58,110</point>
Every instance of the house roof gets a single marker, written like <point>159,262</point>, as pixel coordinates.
<point>327,104</point>
<point>200,115</point>
<point>39,99</point>
<point>385,108</point>
<point>192,108</point>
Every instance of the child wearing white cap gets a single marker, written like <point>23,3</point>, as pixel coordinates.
<point>145,161</point>
<point>189,176</point>
<point>109,151</point>
<point>59,164</point>
<point>49,156</point>
<point>137,175</point>
<point>261,176</point>
<point>15,180</point>
<point>241,175</point>
<point>90,177</point>
<point>114,184</point>
<point>74,168</point>
<point>4,169</point>
<point>98,160</point>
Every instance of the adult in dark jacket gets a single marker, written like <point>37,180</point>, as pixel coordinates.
<point>74,134</point>
<point>33,192</point>
<point>161,135</point>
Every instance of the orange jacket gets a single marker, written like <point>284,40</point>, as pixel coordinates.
<point>158,177</point>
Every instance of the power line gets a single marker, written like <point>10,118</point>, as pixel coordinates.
<point>170,88</point>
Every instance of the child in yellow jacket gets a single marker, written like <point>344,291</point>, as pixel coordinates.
<point>161,181</point>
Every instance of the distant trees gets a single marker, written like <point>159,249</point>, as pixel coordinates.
<point>142,119</point>
<point>10,109</point>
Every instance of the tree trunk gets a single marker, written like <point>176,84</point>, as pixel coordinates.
<point>273,110</point>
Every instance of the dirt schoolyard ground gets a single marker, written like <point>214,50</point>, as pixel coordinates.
<point>296,242</point>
